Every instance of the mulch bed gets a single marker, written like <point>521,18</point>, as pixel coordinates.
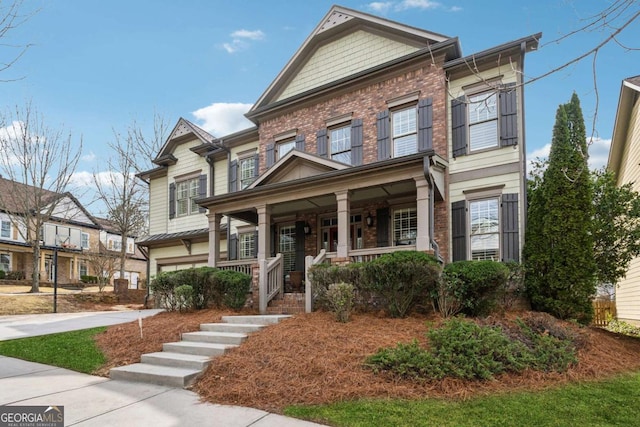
<point>312,359</point>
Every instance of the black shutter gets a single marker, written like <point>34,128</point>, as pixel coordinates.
<point>459,230</point>
<point>202,190</point>
<point>256,165</point>
<point>321,143</point>
<point>356,142</point>
<point>384,140</point>
<point>271,155</point>
<point>255,244</point>
<point>233,176</point>
<point>172,200</point>
<point>508,116</point>
<point>299,265</point>
<point>459,126</point>
<point>425,124</point>
<point>300,142</point>
<point>510,233</point>
<point>274,238</point>
<point>382,226</point>
<point>232,247</point>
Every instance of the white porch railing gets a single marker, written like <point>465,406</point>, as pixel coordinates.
<point>242,265</point>
<point>271,280</point>
<point>369,254</point>
<point>310,261</point>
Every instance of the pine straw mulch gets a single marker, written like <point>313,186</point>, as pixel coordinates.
<point>312,359</point>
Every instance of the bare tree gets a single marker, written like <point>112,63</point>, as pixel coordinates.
<point>124,195</point>
<point>11,17</point>
<point>104,265</point>
<point>37,163</point>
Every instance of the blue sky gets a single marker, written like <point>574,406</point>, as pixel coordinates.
<point>97,65</point>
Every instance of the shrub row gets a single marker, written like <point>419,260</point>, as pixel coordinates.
<point>198,288</point>
<point>11,275</point>
<point>463,349</point>
<point>404,280</point>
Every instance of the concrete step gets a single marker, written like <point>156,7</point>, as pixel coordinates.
<point>176,360</point>
<point>155,374</point>
<point>215,337</point>
<point>197,348</point>
<point>256,320</point>
<point>230,327</point>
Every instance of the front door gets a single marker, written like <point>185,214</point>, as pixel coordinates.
<point>49,267</point>
<point>287,246</point>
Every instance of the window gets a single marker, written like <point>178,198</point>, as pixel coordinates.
<point>483,121</point>
<point>187,193</point>
<point>485,229</point>
<point>6,229</point>
<point>329,233</point>
<point>403,125</point>
<point>130,247</point>
<point>82,268</point>
<point>5,262</point>
<point>284,147</point>
<point>247,171</point>
<point>340,144</point>
<point>114,245</point>
<point>247,245</point>
<point>287,247</point>
<point>405,226</point>
<point>85,241</point>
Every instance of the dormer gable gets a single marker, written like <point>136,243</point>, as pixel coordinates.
<point>183,131</point>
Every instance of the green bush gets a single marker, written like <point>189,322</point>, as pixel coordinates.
<point>184,297</point>
<point>2,274</point>
<point>407,360</point>
<point>340,298</point>
<point>324,275</point>
<point>401,279</point>
<point>235,287</point>
<point>480,284</point>
<point>622,327</point>
<point>15,275</point>
<point>88,279</point>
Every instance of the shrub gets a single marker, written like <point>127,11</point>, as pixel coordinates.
<point>235,287</point>
<point>2,274</point>
<point>401,279</point>
<point>480,284</point>
<point>163,287</point>
<point>514,287</point>
<point>184,297</point>
<point>406,360</point>
<point>88,279</point>
<point>549,352</point>
<point>445,296</point>
<point>622,327</point>
<point>15,275</point>
<point>340,298</point>
<point>324,275</point>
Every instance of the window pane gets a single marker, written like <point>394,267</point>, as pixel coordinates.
<point>405,226</point>
<point>285,147</point>
<point>342,157</point>
<point>340,139</point>
<point>288,247</point>
<point>404,122</point>
<point>482,108</point>
<point>247,172</point>
<point>483,135</point>
<point>485,229</point>
<point>404,146</point>
<point>247,245</point>
<point>485,247</point>
<point>5,262</point>
<point>6,229</point>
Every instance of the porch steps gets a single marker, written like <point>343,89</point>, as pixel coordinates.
<point>180,363</point>
<point>289,303</point>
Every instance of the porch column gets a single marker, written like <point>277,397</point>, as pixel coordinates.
<point>343,223</point>
<point>423,242</point>
<point>264,231</point>
<point>214,238</point>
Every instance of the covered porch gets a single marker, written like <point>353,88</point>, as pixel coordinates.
<point>306,210</point>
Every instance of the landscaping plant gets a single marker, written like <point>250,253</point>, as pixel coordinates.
<point>340,298</point>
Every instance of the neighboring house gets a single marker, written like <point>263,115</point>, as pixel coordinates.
<point>375,137</point>
<point>624,161</point>
<point>71,231</point>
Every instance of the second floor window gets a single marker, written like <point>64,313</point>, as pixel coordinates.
<point>6,229</point>
<point>186,194</point>
<point>85,241</point>
<point>247,171</point>
<point>340,144</point>
<point>284,147</point>
<point>404,131</point>
<point>483,121</point>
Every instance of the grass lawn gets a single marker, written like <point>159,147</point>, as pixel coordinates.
<point>72,350</point>
<point>608,403</point>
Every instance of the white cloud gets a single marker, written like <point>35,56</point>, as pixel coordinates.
<point>418,4</point>
<point>223,118</point>
<point>89,157</point>
<point>84,179</point>
<point>246,34</point>
<point>455,9</point>
<point>239,40</point>
<point>598,154</point>
<point>380,6</point>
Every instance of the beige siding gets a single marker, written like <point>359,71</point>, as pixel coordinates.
<point>346,56</point>
<point>158,205</point>
<point>484,159</point>
<point>511,185</point>
<point>188,162</point>
<point>176,251</point>
<point>628,291</point>
<point>221,177</point>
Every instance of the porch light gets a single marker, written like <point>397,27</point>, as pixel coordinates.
<point>307,228</point>
<point>369,220</point>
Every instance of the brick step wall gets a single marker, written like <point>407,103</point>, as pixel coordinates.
<point>290,303</point>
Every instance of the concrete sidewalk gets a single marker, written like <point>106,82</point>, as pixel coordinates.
<point>97,401</point>
<point>30,325</point>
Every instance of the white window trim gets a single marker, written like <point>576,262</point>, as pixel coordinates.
<point>483,95</point>
<point>241,250</point>
<point>279,144</point>
<point>10,229</point>
<point>404,107</point>
<point>485,196</point>
<point>412,240</point>
<point>344,125</point>
<point>191,210</point>
<point>241,160</point>
<point>82,240</point>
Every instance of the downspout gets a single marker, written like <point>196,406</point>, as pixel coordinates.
<point>429,178</point>
<point>525,202</point>
<point>146,297</point>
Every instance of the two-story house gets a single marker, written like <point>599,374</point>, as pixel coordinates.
<point>374,137</point>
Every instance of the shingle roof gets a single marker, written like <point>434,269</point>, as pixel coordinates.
<point>13,193</point>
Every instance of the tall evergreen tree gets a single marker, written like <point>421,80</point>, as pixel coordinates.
<point>558,252</point>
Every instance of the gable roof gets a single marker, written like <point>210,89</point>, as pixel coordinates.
<point>297,164</point>
<point>180,133</point>
<point>12,194</point>
<point>338,23</point>
<point>629,95</point>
